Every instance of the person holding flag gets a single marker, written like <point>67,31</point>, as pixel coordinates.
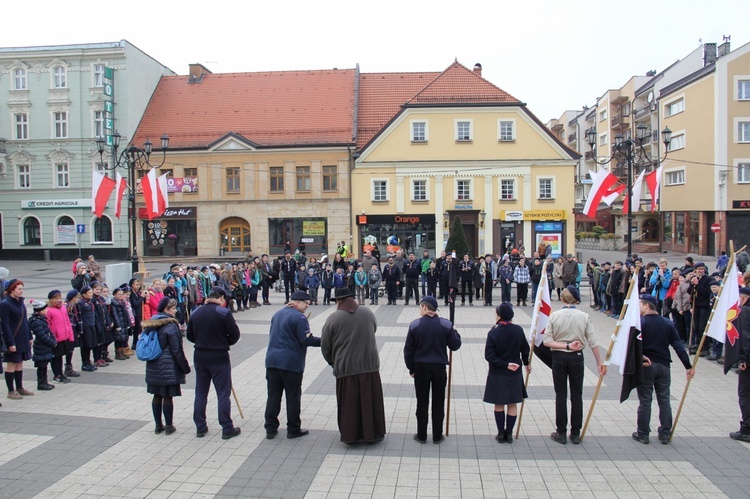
<point>568,331</point>
<point>657,333</point>
<point>743,378</point>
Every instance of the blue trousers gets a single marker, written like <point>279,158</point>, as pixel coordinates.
<point>221,375</point>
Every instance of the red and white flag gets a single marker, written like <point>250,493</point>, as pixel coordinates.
<point>630,323</point>
<point>653,181</point>
<point>602,189</point>
<point>101,188</point>
<point>723,327</point>
<point>635,200</point>
<point>121,184</point>
<point>155,194</point>
<point>542,309</point>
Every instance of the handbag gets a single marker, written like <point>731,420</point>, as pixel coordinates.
<point>148,346</point>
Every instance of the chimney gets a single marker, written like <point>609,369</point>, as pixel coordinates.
<point>709,53</point>
<point>196,72</point>
<point>478,69</point>
<point>724,47</point>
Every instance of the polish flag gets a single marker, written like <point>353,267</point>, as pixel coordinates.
<point>121,184</point>
<point>101,188</point>
<point>653,181</point>
<point>542,309</point>
<point>635,201</point>
<point>601,190</point>
<point>155,194</point>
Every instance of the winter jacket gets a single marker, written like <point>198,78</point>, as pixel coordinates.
<point>312,281</point>
<point>660,284</point>
<point>412,269</point>
<point>391,273</point>
<point>151,303</point>
<point>570,271</point>
<point>339,281</point>
<point>466,270</point>
<point>327,279</point>
<point>288,340</point>
<point>288,268</point>
<point>86,312</point>
<point>433,276</point>
<point>535,272</point>
<point>120,320</point>
<point>74,317</point>
<point>360,278</point>
<point>373,278</point>
<point>557,275</point>
<point>301,278</point>
<point>136,302</point>
<point>80,280</point>
<point>681,301</point>
<point>171,366</point>
<point>521,274</point>
<point>44,341</point>
<point>12,315</point>
<point>505,273</point>
<point>59,323</point>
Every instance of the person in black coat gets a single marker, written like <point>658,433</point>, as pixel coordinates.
<point>17,338</point>
<point>44,344</point>
<point>165,374</point>
<point>136,303</point>
<point>506,349</point>
<point>121,323</point>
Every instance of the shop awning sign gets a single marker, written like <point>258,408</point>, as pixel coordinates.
<point>313,228</point>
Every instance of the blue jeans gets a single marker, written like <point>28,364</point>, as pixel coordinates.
<point>656,378</point>
<point>221,375</point>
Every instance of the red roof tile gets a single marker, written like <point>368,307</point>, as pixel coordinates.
<point>279,108</point>
<point>459,85</point>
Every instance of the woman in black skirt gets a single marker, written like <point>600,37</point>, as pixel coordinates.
<point>165,374</point>
<point>506,348</point>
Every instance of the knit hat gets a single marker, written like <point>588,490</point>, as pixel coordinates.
<point>71,294</point>
<point>649,298</point>
<point>53,293</point>
<point>85,289</point>
<point>38,305</point>
<point>79,265</point>
<point>12,284</point>
<point>4,273</point>
<point>574,291</point>
<point>163,304</point>
<point>505,311</point>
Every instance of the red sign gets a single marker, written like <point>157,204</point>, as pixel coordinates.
<point>715,228</point>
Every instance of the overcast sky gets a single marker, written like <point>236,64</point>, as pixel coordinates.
<point>553,55</point>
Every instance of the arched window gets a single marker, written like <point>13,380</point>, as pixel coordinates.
<point>65,230</point>
<point>32,232</point>
<point>103,230</point>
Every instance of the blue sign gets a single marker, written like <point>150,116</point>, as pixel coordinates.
<point>80,229</point>
<point>548,227</point>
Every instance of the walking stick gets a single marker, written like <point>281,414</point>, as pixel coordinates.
<point>703,338</point>
<point>237,401</point>
<point>692,323</point>
<point>448,409</point>
<point>609,354</point>
<point>533,343</point>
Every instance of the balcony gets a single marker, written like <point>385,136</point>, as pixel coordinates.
<point>620,121</point>
<point>642,111</point>
<point>588,156</point>
<point>572,138</point>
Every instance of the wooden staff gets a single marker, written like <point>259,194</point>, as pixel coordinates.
<point>703,337</point>
<point>448,410</point>
<point>633,280</point>
<point>692,324</point>
<point>237,401</point>
<point>534,325</point>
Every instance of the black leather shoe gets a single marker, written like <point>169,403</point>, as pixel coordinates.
<point>235,431</point>
<point>169,429</point>
<point>438,440</point>
<point>508,437</point>
<point>270,435</point>
<point>500,437</point>
<point>559,438</point>
<point>201,433</point>
<point>575,439</point>
<point>297,434</point>
<point>416,437</point>
<point>159,429</point>
<point>665,440</point>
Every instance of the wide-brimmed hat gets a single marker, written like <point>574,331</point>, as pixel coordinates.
<point>342,293</point>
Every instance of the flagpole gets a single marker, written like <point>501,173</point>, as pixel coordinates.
<point>633,280</point>
<point>703,338</point>
<point>452,312</point>
<point>537,306</point>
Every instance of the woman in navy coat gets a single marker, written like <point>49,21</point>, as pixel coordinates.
<point>165,374</point>
<point>506,349</point>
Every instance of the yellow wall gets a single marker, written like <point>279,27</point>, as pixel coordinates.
<point>396,144</point>
<point>697,122</point>
<point>736,109</point>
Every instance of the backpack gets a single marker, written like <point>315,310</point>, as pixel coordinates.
<point>148,346</point>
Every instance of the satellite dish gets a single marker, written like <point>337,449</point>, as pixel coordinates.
<point>650,97</point>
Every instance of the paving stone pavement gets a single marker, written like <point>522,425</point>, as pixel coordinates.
<point>94,437</point>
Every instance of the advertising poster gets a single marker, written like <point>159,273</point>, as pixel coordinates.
<point>554,241</point>
<point>313,228</point>
<point>66,234</point>
<point>175,184</point>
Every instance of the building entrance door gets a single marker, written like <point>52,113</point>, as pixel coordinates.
<point>235,235</point>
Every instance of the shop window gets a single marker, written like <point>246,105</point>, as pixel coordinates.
<point>303,179</point>
<point>103,230</point>
<point>65,232</point>
<point>32,232</point>
<point>330,178</point>
<point>235,235</point>
<point>305,234</point>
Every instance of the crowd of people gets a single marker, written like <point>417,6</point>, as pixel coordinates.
<point>104,322</point>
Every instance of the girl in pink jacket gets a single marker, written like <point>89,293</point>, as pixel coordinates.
<point>59,324</point>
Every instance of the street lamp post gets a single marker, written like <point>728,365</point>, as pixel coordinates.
<point>132,158</point>
<point>633,150</point>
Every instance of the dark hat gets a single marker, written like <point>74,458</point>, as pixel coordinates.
<point>745,291</point>
<point>162,306</point>
<point>53,293</point>
<point>85,289</point>
<point>689,259</point>
<point>12,284</point>
<point>125,288</point>
<point>649,298</point>
<point>300,296</point>
<point>574,291</point>
<point>569,255</point>
<point>174,265</point>
<point>38,305</point>
<point>204,268</point>
<point>287,252</point>
<point>71,294</point>
<point>430,301</point>
<point>218,290</point>
<point>716,274</point>
<point>342,293</point>
<point>130,282</point>
<point>699,264</point>
<point>505,311</point>
<point>607,263</point>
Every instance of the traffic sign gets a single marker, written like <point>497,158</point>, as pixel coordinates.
<point>715,228</point>
<point>81,228</point>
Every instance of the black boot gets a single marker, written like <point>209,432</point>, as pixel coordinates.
<point>42,384</point>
